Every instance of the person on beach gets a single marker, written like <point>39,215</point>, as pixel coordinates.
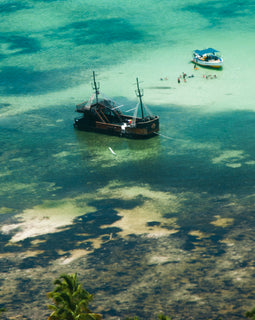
<point>179,80</point>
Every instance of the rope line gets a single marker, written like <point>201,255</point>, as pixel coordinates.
<point>170,138</point>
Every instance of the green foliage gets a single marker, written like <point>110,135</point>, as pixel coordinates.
<point>250,314</point>
<point>70,300</point>
<point>163,317</point>
<point>2,310</point>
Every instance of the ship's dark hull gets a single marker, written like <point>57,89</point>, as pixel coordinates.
<point>143,129</point>
<point>105,116</point>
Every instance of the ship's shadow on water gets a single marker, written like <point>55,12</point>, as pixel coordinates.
<point>203,153</point>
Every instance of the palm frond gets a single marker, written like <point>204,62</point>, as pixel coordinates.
<point>71,281</point>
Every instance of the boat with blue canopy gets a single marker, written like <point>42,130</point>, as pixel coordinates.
<point>207,58</point>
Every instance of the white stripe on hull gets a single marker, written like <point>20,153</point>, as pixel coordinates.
<point>207,64</point>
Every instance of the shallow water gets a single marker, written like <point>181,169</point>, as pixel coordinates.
<point>163,225</point>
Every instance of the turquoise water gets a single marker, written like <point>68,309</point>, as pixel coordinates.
<point>163,225</point>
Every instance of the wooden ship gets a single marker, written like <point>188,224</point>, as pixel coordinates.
<point>104,116</point>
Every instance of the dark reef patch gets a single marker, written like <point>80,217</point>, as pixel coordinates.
<point>79,235</point>
<point>118,203</point>
<point>153,223</point>
<point>6,265</point>
<point>4,105</point>
<point>216,11</point>
<point>12,7</point>
<point>101,31</point>
<point>48,1</point>
<point>17,81</point>
<point>19,44</point>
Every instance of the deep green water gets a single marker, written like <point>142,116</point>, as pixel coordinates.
<point>167,222</point>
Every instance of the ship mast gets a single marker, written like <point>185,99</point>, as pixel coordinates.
<point>95,86</point>
<point>139,93</point>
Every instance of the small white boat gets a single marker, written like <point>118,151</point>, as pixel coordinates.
<point>207,58</point>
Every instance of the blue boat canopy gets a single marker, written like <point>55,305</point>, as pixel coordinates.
<point>205,51</point>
